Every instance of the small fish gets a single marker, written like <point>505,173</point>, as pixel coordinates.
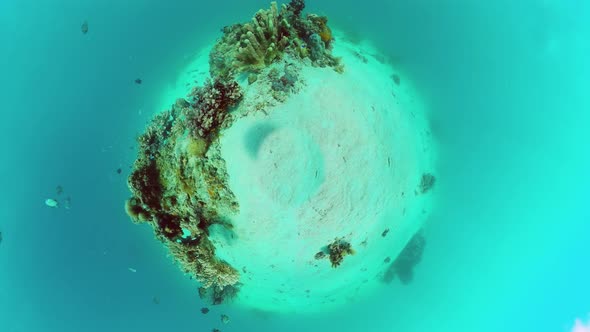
<point>204,310</point>
<point>384,234</point>
<point>0,237</point>
<point>138,81</point>
<point>119,170</point>
<point>224,318</point>
<point>67,202</point>
<point>52,203</point>
<point>59,189</point>
<point>156,300</point>
<point>132,269</point>
<point>84,27</point>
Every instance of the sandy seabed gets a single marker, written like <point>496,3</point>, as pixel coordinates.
<point>341,158</point>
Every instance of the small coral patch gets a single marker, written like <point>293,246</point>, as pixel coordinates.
<point>337,250</point>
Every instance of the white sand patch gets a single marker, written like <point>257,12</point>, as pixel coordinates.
<point>342,158</point>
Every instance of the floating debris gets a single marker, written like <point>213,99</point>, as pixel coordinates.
<point>138,81</point>
<point>204,310</point>
<point>224,318</point>
<point>52,203</point>
<point>59,189</point>
<point>84,27</point>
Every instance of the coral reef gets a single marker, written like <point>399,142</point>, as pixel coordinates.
<point>270,35</point>
<point>296,6</point>
<point>283,81</point>
<point>216,295</point>
<point>211,105</point>
<point>337,250</point>
<point>409,257</point>
<point>179,182</point>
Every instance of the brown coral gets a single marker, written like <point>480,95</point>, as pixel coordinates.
<point>211,105</point>
<point>270,34</point>
<point>337,250</point>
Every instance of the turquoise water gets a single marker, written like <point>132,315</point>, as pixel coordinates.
<point>507,246</point>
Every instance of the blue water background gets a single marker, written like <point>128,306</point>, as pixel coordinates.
<point>507,82</point>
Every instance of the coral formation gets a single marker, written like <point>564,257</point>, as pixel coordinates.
<point>337,250</point>
<point>426,183</point>
<point>212,102</point>
<point>320,255</point>
<point>409,257</point>
<point>179,182</point>
<point>270,35</point>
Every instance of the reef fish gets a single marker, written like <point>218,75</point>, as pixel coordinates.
<point>84,27</point>
<point>52,203</point>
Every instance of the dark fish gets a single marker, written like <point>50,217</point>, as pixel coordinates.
<point>0,237</point>
<point>138,81</point>
<point>204,310</point>
<point>119,170</point>
<point>385,232</point>
<point>84,27</point>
